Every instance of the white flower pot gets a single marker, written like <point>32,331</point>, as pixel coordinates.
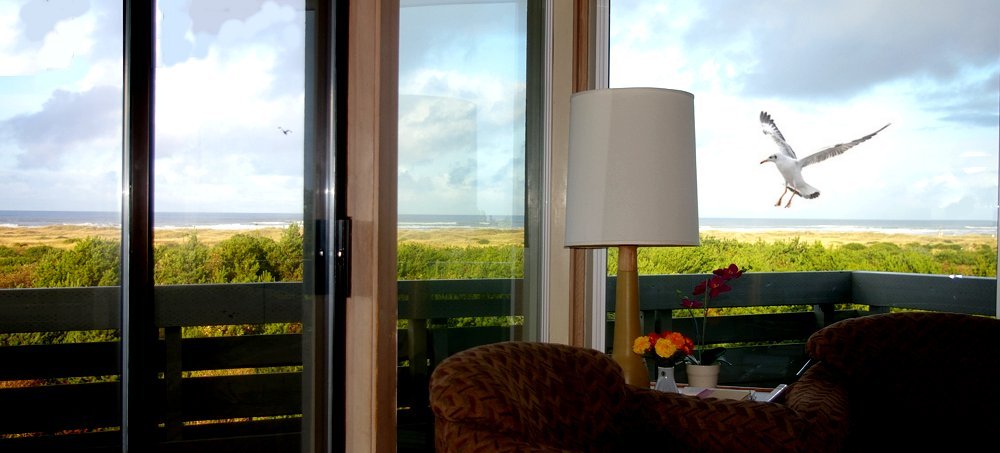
<point>703,375</point>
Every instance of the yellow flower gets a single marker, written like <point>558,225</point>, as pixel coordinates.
<point>641,345</point>
<point>665,348</point>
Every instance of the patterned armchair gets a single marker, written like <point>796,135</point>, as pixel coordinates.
<point>879,384</point>
<point>541,397</point>
<point>915,381</point>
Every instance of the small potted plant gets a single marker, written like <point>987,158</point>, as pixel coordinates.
<point>703,366</point>
<point>666,350</point>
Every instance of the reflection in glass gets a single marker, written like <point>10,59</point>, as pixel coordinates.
<point>461,190</point>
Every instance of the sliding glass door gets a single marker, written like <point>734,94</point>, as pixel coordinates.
<point>168,219</point>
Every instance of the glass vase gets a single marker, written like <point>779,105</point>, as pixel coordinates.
<point>665,381</point>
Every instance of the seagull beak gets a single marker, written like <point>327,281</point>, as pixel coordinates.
<point>765,160</point>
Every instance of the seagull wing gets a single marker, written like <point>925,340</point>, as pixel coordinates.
<point>836,150</point>
<point>771,130</point>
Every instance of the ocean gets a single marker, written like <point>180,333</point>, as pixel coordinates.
<point>914,227</point>
<point>238,221</point>
<point>206,220</point>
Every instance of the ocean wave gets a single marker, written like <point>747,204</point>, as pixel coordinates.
<point>230,226</point>
<point>928,231</point>
<point>65,224</point>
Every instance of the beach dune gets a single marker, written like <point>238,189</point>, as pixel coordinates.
<point>65,236</point>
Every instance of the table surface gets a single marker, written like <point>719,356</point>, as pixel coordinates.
<point>759,393</point>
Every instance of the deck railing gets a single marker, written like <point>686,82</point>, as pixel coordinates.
<point>251,399</point>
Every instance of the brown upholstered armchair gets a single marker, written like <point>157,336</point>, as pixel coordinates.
<point>522,396</point>
<point>880,383</point>
<point>915,381</point>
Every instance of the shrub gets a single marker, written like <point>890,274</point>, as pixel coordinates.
<point>91,262</point>
<point>243,258</point>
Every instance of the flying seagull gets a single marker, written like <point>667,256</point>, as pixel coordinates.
<point>284,131</point>
<point>790,166</point>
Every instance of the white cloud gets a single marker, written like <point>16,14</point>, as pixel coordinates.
<point>449,118</point>
<point>219,93</point>
<point>941,98</point>
<point>976,155</point>
<point>69,39</point>
<point>219,146</point>
<point>220,118</point>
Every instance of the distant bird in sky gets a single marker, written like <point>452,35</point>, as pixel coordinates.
<point>790,167</point>
<point>284,131</point>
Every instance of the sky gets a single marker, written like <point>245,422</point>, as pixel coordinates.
<point>461,108</point>
<point>230,77</point>
<point>229,82</point>
<point>828,73</point>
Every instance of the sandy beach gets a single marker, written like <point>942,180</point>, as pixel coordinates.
<point>66,236</point>
<point>475,236</point>
<point>834,238</point>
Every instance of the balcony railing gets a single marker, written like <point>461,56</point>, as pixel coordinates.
<point>243,406</point>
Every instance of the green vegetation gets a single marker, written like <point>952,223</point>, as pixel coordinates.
<point>426,262</point>
<point>247,257</point>
<point>794,255</point>
<point>242,258</point>
<point>91,262</point>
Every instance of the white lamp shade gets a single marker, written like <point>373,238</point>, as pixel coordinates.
<point>632,174</point>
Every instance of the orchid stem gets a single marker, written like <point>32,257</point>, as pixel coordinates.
<point>694,319</point>
<point>704,320</point>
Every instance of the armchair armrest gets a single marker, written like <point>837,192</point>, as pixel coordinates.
<point>458,437</point>
<point>544,394</point>
<point>688,423</point>
<point>821,398</point>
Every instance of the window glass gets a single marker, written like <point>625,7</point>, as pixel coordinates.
<point>60,215</point>
<point>461,255</point>
<point>912,86</point>
<point>229,136</point>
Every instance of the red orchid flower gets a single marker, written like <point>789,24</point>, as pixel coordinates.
<point>691,303</point>
<point>699,289</point>
<point>717,285</point>
<point>729,273</point>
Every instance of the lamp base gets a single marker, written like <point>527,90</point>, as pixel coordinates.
<point>627,324</point>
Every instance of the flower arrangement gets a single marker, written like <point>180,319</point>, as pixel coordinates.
<point>666,348</point>
<point>711,288</point>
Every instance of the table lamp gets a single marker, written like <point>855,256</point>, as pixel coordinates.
<point>631,182</point>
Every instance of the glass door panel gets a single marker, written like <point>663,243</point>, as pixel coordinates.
<point>60,223</point>
<point>463,109</point>
<point>228,219</point>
